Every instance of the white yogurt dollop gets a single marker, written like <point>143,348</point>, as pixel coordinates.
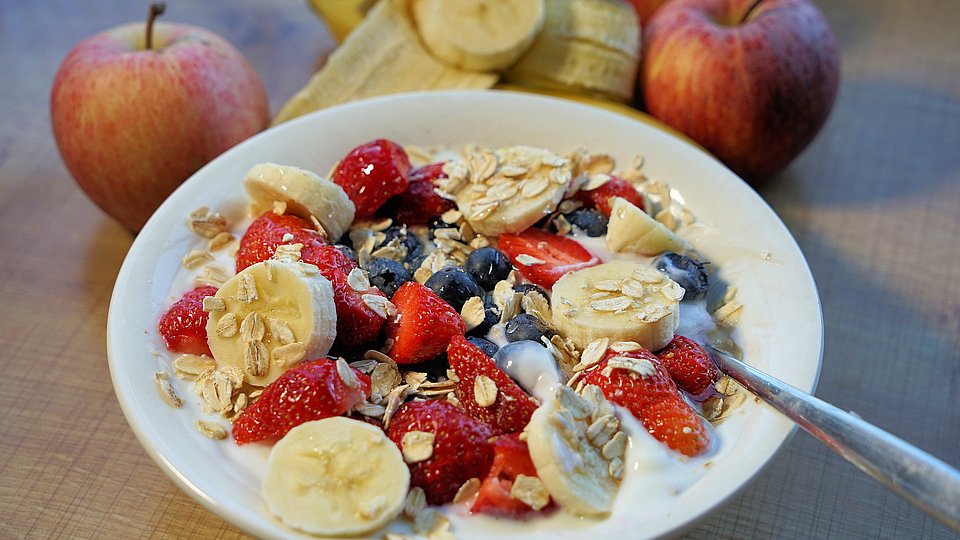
<point>532,366</point>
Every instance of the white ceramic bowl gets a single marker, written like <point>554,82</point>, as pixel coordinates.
<point>780,332</point>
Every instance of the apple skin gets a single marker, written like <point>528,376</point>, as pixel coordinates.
<point>645,8</point>
<point>754,93</point>
<point>133,124</point>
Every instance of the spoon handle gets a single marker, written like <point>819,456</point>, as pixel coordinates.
<point>928,483</point>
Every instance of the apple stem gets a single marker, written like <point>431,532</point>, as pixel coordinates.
<point>749,11</point>
<point>156,9</point>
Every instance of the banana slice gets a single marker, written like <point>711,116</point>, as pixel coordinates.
<point>590,46</point>
<point>631,230</point>
<point>506,190</point>
<point>336,476</point>
<point>271,316</point>
<point>383,55</point>
<point>304,192</point>
<point>567,440</point>
<point>479,35</point>
<point>619,300</point>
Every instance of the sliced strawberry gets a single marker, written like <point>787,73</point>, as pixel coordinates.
<point>308,391</point>
<point>423,325</point>
<point>262,237</point>
<point>511,458</point>
<point>600,198</point>
<point>558,253</point>
<point>689,365</point>
<point>358,325</point>
<point>653,398</point>
<point>674,423</point>
<point>511,410</point>
<point>372,173</point>
<point>184,326</point>
<point>461,447</point>
<point>419,204</point>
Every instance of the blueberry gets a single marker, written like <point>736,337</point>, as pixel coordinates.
<point>488,347</point>
<point>688,272</point>
<point>491,316</point>
<point>524,288</point>
<point>347,250</point>
<point>589,220</point>
<point>488,266</point>
<point>414,263</point>
<point>405,238</point>
<point>525,326</point>
<point>387,275</point>
<point>454,285</point>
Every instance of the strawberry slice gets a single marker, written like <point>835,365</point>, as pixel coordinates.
<point>423,325</point>
<point>308,391</point>
<point>419,204</point>
<point>184,326</point>
<point>372,173</point>
<point>259,242</point>
<point>358,325</point>
<point>616,187</point>
<point>558,253</point>
<point>689,365</point>
<point>649,393</point>
<point>511,458</point>
<point>510,412</point>
<point>461,447</point>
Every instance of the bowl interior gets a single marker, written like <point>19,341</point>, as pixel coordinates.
<point>780,330</point>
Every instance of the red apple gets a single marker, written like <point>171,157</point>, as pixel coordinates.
<point>645,8</point>
<point>135,115</point>
<point>752,81</point>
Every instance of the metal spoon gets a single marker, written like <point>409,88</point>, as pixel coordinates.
<point>928,483</point>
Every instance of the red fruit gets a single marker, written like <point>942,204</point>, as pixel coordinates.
<point>511,411</point>
<point>423,325</point>
<point>372,173</point>
<point>600,198</point>
<point>653,399</point>
<point>184,326</point>
<point>262,237</point>
<point>357,324</point>
<point>559,253</point>
<point>689,365</point>
<point>673,422</point>
<point>419,204</point>
<point>461,447</point>
<point>511,457</point>
<point>308,391</point>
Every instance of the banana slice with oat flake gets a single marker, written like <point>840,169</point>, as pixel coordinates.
<point>619,300</point>
<point>336,476</point>
<point>578,448</point>
<point>304,193</point>
<point>269,317</point>
<point>631,230</point>
<point>506,190</point>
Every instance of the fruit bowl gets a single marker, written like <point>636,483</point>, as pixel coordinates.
<point>780,330</point>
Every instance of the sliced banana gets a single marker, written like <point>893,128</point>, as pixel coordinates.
<point>276,314</point>
<point>588,46</point>
<point>305,194</point>
<point>383,55</point>
<point>619,300</point>
<point>336,476</point>
<point>506,190</point>
<point>631,230</point>
<point>479,35</point>
<point>566,439</point>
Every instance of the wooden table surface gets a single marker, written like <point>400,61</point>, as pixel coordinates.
<point>874,203</point>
